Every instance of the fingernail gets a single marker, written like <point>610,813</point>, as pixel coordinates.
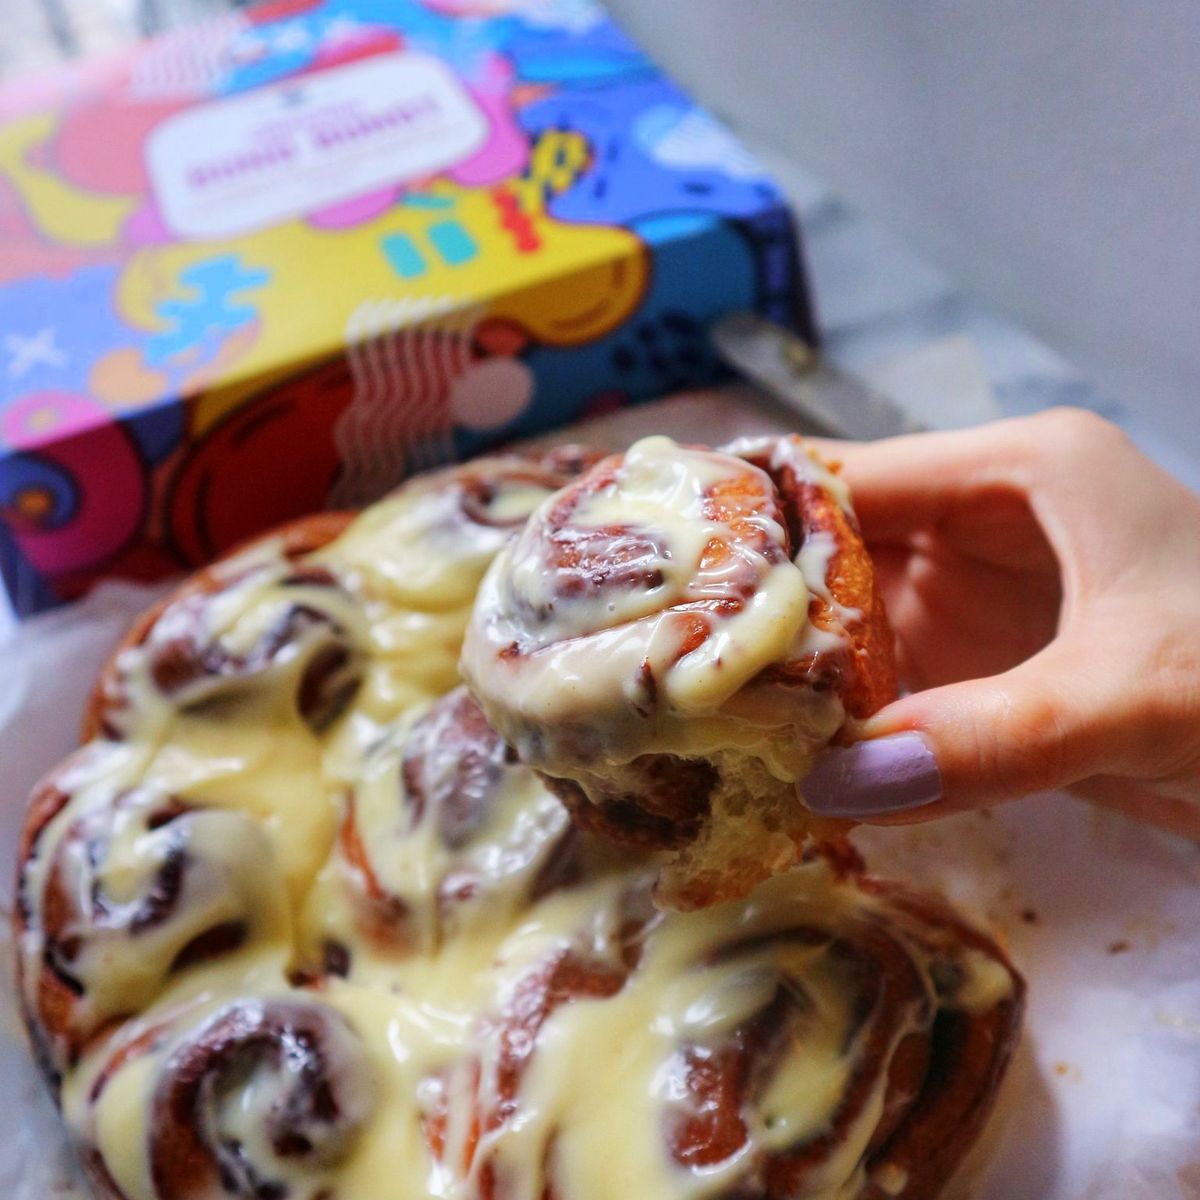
<point>884,775</point>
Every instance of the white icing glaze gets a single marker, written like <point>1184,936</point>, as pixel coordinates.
<point>140,893</point>
<point>794,453</point>
<point>586,676</point>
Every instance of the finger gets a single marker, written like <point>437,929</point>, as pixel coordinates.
<point>1037,727</point>
<point>1068,469</point>
<point>1177,814</point>
<point>905,484</point>
<point>961,618</point>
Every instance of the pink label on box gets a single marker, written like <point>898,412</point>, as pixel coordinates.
<point>226,168</point>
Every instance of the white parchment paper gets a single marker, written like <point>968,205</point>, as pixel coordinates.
<point>1101,915</point>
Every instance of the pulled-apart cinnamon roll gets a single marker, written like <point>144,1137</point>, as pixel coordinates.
<point>671,640</point>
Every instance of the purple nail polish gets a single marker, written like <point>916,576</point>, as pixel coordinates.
<point>885,775</point>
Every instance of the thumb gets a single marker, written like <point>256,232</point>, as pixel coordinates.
<point>1042,725</point>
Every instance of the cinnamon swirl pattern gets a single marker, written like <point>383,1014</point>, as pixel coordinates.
<point>670,641</point>
<point>831,1037</point>
<point>296,924</point>
<point>277,632</point>
<point>264,1097</point>
<point>122,891</point>
<point>443,836</point>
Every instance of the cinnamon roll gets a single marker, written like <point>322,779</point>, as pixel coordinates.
<point>924,1020</point>
<point>831,1037</point>
<point>278,632</point>
<point>265,1098</point>
<point>120,892</point>
<point>427,546</point>
<point>298,924</point>
<point>473,1110</point>
<point>670,641</point>
<point>443,831</point>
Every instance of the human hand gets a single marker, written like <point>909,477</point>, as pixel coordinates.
<point>1043,579</point>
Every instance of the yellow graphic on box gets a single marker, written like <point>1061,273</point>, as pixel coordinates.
<point>583,280</point>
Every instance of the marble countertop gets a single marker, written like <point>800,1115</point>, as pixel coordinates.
<point>886,313</point>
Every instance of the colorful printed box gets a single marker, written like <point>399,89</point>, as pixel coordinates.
<point>277,261</point>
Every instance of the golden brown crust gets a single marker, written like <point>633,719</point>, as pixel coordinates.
<point>872,682</point>
<point>866,680</point>
<point>48,1016</point>
<point>970,1053</point>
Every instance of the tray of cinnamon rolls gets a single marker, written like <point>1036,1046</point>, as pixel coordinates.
<point>455,848</point>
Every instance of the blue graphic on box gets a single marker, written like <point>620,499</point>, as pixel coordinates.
<point>652,152</point>
<point>43,350</point>
<point>568,42</point>
<point>212,311</point>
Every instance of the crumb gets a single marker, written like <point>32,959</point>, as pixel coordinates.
<point>1119,947</point>
<point>1170,1020</point>
<point>1189,1176</point>
<point>1029,916</point>
<point>1064,1070</point>
<point>1148,929</point>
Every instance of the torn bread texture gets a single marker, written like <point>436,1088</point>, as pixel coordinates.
<point>670,642</point>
